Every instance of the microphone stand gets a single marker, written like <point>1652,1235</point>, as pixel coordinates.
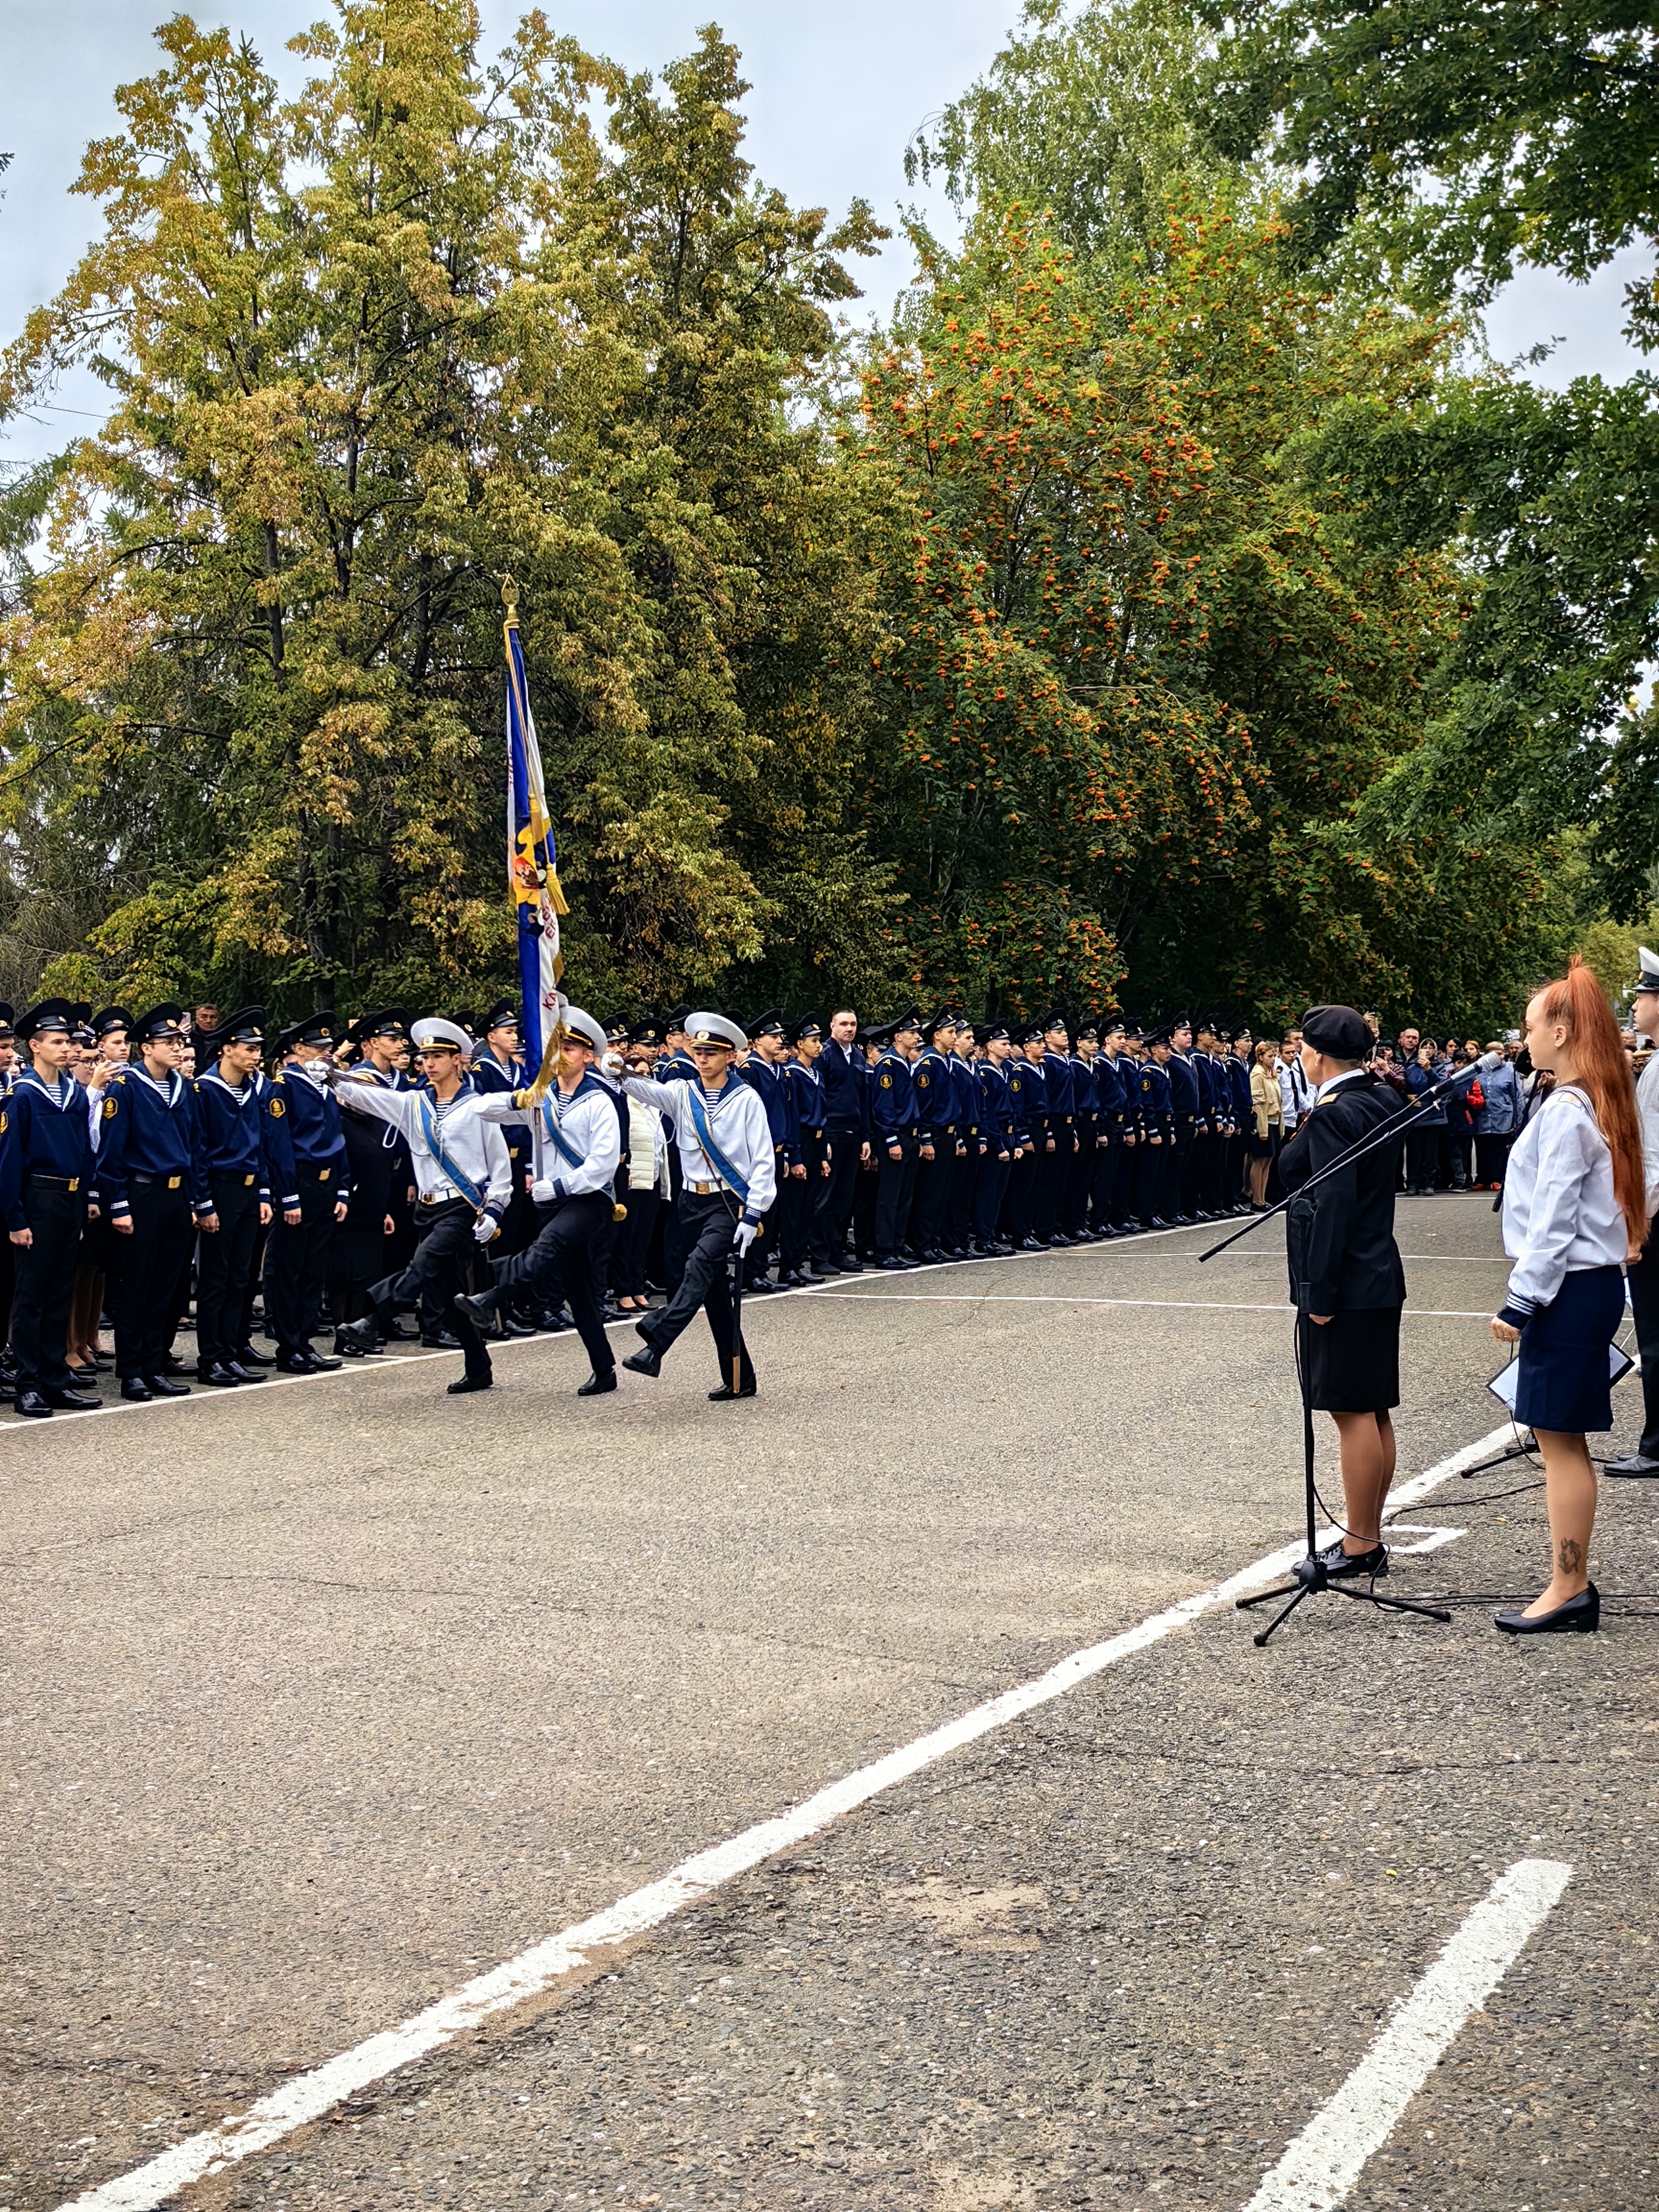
<point>1309,1573</point>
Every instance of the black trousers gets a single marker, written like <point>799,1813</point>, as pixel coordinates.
<point>632,1243</point>
<point>1643,1280</point>
<point>866,1189</point>
<point>1422,1158</point>
<point>444,1252</point>
<point>710,1226</point>
<point>964,1193</point>
<point>44,1286</point>
<point>832,1210</point>
<point>1019,1201</point>
<point>797,1200</point>
<point>896,1184</point>
<point>223,1267</point>
<point>297,1263</point>
<point>1187,1156</point>
<point>764,1249</point>
<point>1080,1175</point>
<point>557,1266</point>
<point>147,1276</point>
<point>1491,1158</point>
<point>931,1199</point>
<point>989,1187</point>
<point>1053,1169</point>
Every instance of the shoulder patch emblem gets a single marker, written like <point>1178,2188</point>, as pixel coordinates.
<point>109,1110</point>
<point>3,1119</point>
<point>277,1107</point>
<point>886,1082</point>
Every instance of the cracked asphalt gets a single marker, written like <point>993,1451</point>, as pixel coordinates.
<point>318,1701</point>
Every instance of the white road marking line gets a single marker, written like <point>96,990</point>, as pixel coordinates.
<point>1078,1298</point>
<point>1324,2162</point>
<point>308,2096</point>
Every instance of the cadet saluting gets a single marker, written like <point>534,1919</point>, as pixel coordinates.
<point>729,1181</point>
<point>46,1154</point>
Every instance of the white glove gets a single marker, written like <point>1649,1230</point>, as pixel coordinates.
<point>747,1232</point>
<point>541,1190</point>
<point>486,1229</point>
<point>612,1063</point>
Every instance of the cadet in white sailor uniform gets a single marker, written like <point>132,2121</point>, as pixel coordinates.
<point>729,1181</point>
<point>464,1180</point>
<point>575,1146</point>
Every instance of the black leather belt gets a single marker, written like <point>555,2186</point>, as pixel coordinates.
<point>156,1182</point>
<point>54,1183</point>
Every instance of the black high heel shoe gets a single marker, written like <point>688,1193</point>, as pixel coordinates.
<point>1579,1613</point>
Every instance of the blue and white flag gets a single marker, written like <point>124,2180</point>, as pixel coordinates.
<point>531,855</point>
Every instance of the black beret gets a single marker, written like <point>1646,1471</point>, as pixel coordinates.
<point>1337,1031</point>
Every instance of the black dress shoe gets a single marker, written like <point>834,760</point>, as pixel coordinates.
<point>440,1340</point>
<point>479,1310</point>
<point>395,1332</point>
<point>850,1266</point>
<point>135,1392</point>
<point>247,1356</point>
<point>893,1265</point>
<point>1351,1566</point>
<point>1055,1243</point>
<point>1580,1613</point>
<point>286,1363</point>
<point>71,1402</point>
<point>344,1348</point>
<point>646,1361</point>
<point>465,1383</point>
<point>822,1270</point>
<point>249,1374</point>
<point>795,1280</point>
<point>513,1325</point>
<point>359,1335</point>
<point>319,1363</point>
<point>31,1405</point>
<point>163,1386</point>
<point>598,1384</point>
<point>1030,1244</point>
<point>761,1287</point>
<point>173,1365</point>
<point>726,1391</point>
<point>222,1376</point>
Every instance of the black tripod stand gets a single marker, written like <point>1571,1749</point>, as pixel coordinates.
<point>1311,1575</point>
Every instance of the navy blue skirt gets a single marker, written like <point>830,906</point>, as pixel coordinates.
<point>1564,1381</point>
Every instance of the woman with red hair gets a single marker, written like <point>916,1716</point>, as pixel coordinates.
<point>1574,1208</point>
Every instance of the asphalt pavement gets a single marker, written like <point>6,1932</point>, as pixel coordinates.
<point>321,1699</point>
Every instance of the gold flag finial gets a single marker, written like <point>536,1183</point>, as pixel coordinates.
<point>509,597</point>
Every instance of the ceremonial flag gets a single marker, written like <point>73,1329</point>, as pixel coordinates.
<point>531,855</point>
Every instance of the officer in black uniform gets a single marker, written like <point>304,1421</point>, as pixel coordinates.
<point>46,1155</point>
<point>296,1253</point>
<point>152,1182</point>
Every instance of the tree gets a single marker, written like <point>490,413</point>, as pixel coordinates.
<point>1504,131</point>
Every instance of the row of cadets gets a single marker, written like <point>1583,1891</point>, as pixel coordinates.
<point>377,1162</point>
<point>893,1136</point>
<point>844,1073</point>
<point>297,1251</point>
<point>48,1144</point>
<point>153,1186</point>
<point>763,1070</point>
<point>464,1181</point>
<point>805,1192</point>
<point>728,1161</point>
<point>574,1141</point>
<point>250,1177</point>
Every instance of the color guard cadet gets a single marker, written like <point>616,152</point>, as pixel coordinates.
<point>893,1137</point>
<point>246,1154</point>
<point>152,1182</point>
<point>1183,1118</point>
<point>1002,1145</point>
<point>296,1253</point>
<point>846,1080</point>
<point>47,1150</point>
<point>575,1140</point>
<point>936,1136</point>
<point>497,1069</point>
<point>464,1179</point>
<point>1055,1166</point>
<point>674,1065</point>
<point>809,1107</point>
<point>728,1161</point>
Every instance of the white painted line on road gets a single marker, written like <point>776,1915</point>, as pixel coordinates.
<point>1326,2160</point>
<point>1070,1299</point>
<point>309,2096</point>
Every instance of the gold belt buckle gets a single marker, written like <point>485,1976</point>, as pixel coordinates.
<point>173,1181</point>
<point>247,1183</point>
<point>75,1183</point>
<point>323,1174</point>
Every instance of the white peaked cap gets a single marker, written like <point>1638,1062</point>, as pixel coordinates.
<point>714,1028</point>
<point>584,1026</point>
<point>436,1031</point>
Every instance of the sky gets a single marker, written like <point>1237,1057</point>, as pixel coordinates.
<point>837,94</point>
